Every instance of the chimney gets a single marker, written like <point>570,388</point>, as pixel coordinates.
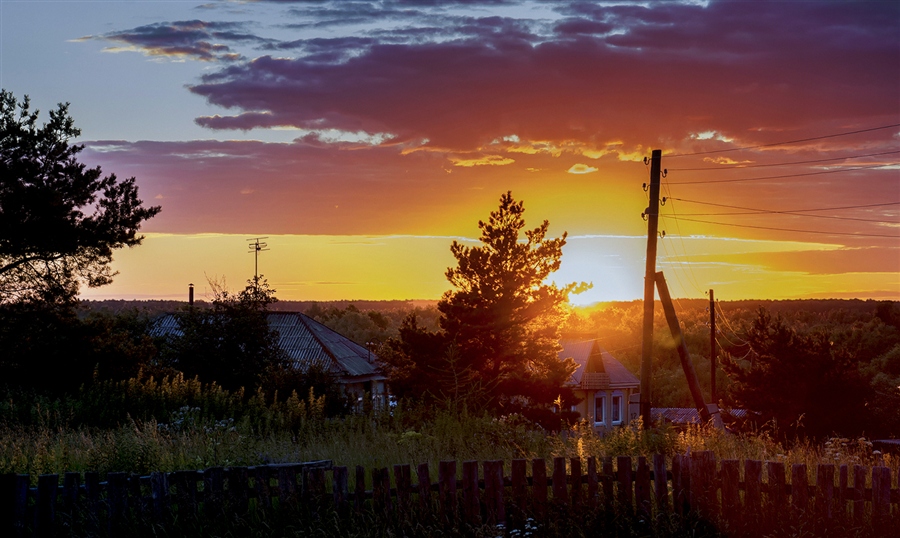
<point>191,295</point>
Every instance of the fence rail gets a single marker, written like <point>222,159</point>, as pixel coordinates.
<point>693,484</point>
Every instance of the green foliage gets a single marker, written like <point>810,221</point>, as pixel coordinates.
<point>499,335</point>
<point>59,220</point>
<point>230,343</point>
<point>800,381</point>
<point>52,349</point>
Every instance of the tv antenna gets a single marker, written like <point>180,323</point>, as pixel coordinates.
<point>256,247</point>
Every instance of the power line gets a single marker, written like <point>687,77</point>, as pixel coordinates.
<point>739,165</point>
<point>785,229</point>
<point>783,176</point>
<point>798,213</point>
<point>823,137</point>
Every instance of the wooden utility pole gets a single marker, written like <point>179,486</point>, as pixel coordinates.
<point>686,364</point>
<point>712,348</point>
<point>652,213</point>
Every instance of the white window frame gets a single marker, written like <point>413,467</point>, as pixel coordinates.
<point>620,398</point>
<point>599,414</point>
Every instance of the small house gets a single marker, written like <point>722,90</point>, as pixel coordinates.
<point>604,385</point>
<point>307,342</point>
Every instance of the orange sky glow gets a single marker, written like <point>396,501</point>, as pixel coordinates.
<point>362,144</point>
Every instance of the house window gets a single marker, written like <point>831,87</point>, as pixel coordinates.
<point>617,409</point>
<point>599,410</point>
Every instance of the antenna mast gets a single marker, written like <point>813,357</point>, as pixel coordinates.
<point>256,247</point>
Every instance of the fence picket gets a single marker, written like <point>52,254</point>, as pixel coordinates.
<point>493,492</point>
<point>539,486</point>
<point>471,503</point>
<point>238,488</point>
<point>825,492</point>
<point>45,505</point>
<point>607,479</point>
<point>752,488</point>
<point>881,494</point>
<point>776,483</point>
<point>519,483</point>
<point>339,489</point>
<point>359,495</point>
<point>799,489</point>
<point>731,493</point>
<point>859,486</point>
<point>660,483</point>
<point>560,488</point>
<point>625,485</point>
<point>447,488</point>
<point>642,487</point>
<point>424,486</point>
<point>213,490</point>
<point>576,479</point>
<point>403,479</point>
<point>117,499</point>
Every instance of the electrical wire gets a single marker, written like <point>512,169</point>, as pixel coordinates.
<point>861,206</point>
<point>773,144</point>
<point>785,229</point>
<point>822,172</point>
<point>739,165</point>
<point>797,212</point>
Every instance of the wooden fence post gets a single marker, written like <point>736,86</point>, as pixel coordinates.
<point>642,487</point>
<point>824,493</point>
<point>799,490</point>
<point>843,487</point>
<point>471,503</point>
<point>593,482</point>
<point>185,493</point>
<point>424,486</point>
<point>214,491</point>
<point>752,488</point>
<point>138,501</point>
<point>403,479</point>
<point>881,495</point>
<point>660,484</point>
<point>493,492</point>
<point>71,483</point>
<point>287,486</point>
<point>92,494</point>
<point>381,491</point>
<point>859,485</point>
<point>623,475</point>
<point>679,497</point>
<point>117,499</point>
<point>731,493</point>
<point>576,480</point>
<point>608,479</point>
<point>261,479</point>
<point>539,486</point>
<point>339,488</point>
<point>159,496</point>
<point>359,495</point>
<point>560,488</point>
<point>776,484</point>
<point>447,488</point>
<point>45,505</point>
<point>238,489</point>
<point>519,483</point>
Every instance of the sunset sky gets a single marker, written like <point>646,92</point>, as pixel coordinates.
<point>362,138</point>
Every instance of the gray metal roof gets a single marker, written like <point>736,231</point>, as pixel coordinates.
<point>689,415</point>
<point>583,350</point>
<point>306,342</point>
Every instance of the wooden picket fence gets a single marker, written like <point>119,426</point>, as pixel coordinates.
<point>696,485</point>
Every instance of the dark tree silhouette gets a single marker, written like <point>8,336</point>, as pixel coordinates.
<point>59,220</point>
<point>800,382</point>
<point>230,343</point>
<point>500,328</point>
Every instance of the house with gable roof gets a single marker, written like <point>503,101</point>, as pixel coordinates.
<point>307,343</point>
<point>604,385</point>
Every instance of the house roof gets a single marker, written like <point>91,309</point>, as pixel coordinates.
<point>306,342</point>
<point>590,357</point>
<point>689,415</point>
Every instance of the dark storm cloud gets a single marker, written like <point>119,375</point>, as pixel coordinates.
<point>662,74</point>
<point>196,39</point>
